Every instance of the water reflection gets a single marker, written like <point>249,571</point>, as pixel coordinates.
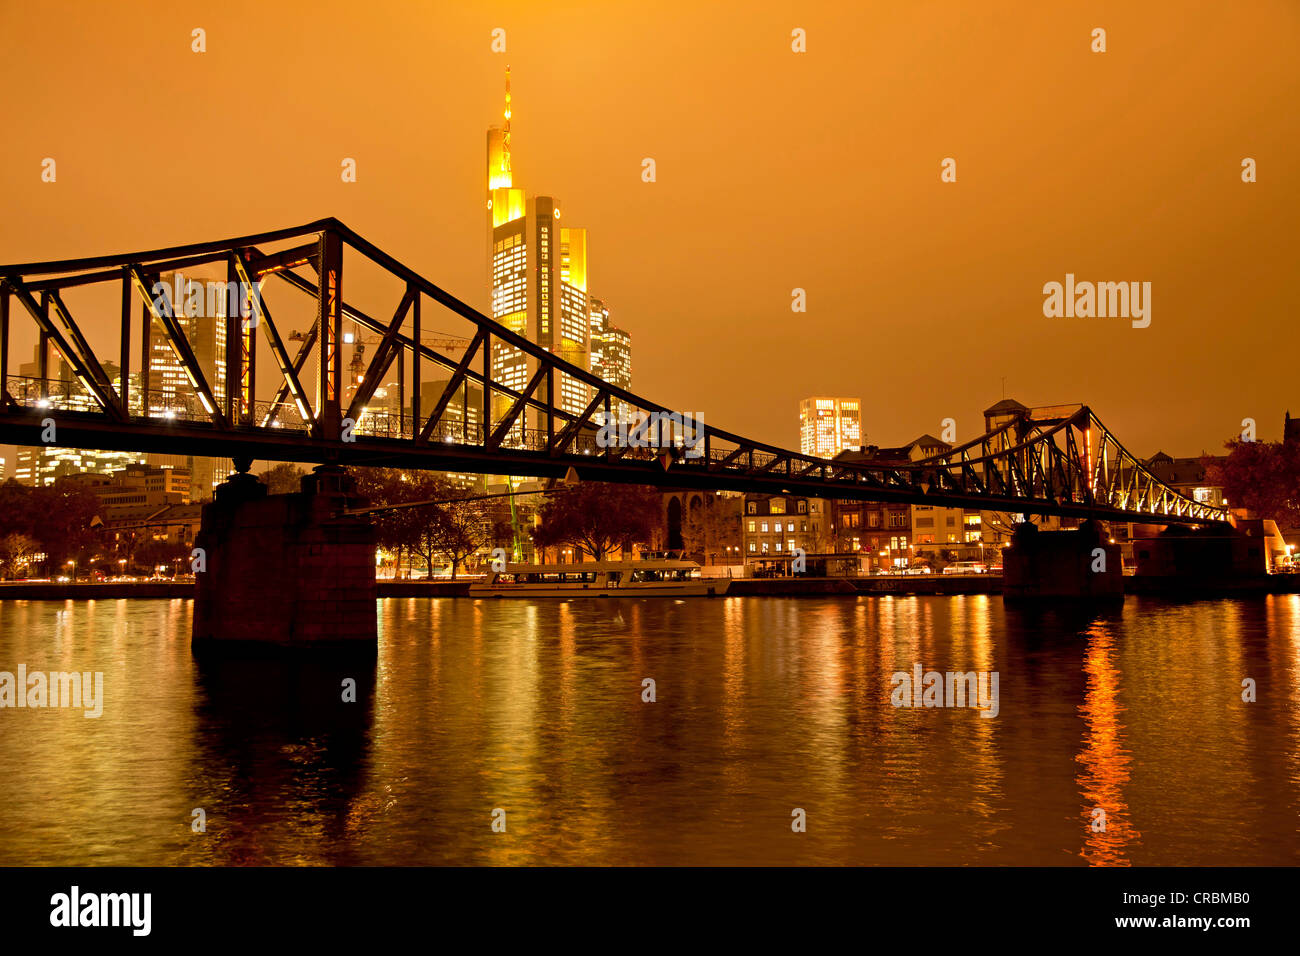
<point>1108,829</point>
<point>299,730</point>
<point>761,707</point>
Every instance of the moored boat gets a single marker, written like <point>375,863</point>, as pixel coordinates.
<point>650,577</point>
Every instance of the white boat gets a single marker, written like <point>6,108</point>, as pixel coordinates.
<point>649,577</point>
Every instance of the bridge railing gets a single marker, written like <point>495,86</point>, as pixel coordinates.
<point>179,404</point>
<point>33,392</point>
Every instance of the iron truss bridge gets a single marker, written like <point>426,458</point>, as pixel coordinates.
<point>180,373</point>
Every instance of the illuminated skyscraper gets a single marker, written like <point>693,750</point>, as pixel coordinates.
<point>169,386</point>
<point>538,278</point>
<point>828,426</point>
<point>44,464</point>
<point>611,350</point>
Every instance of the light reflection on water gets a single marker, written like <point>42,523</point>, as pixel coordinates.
<point>763,706</point>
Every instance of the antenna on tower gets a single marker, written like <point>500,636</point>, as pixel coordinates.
<point>505,138</point>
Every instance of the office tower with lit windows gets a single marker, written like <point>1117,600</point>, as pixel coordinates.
<point>538,278</point>
<point>169,385</point>
<point>828,426</point>
<point>611,352</point>
<point>41,465</point>
<point>170,392</point>
<point>202,317</point>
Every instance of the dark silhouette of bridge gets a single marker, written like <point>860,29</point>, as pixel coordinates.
<point>1070,465</point>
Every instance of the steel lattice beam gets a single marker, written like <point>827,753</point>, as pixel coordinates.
<point>1069,465</point>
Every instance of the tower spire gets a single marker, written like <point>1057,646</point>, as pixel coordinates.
<point>505,144</point>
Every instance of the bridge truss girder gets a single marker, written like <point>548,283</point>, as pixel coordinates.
<point>1068,466</point>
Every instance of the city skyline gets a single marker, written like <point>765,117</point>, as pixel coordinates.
<point>971,301</point>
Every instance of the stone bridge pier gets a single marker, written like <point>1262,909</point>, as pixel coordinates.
<point>285,572</point>
<point>1057,565</point>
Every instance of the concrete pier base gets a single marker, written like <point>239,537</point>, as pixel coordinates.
<point>1182,561</point>
<point>285,572</point>
<point>1062,565</point>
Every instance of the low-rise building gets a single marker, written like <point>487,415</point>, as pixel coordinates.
<point>886,531</point>
<point>1188,476</point>
<point>774,525</point>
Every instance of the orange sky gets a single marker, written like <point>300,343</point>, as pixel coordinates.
<point>775,170</point>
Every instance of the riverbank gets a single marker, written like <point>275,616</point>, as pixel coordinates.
<point>740,587</point>
<point>112,590</point>
<point>881,584</point>
<point>903,584</point>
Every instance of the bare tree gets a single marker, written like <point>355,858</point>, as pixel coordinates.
<point>16,553</point>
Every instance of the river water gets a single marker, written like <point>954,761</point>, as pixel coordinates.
<point>764,707</point>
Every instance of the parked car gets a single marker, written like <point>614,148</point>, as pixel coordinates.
<point>919,569</point>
